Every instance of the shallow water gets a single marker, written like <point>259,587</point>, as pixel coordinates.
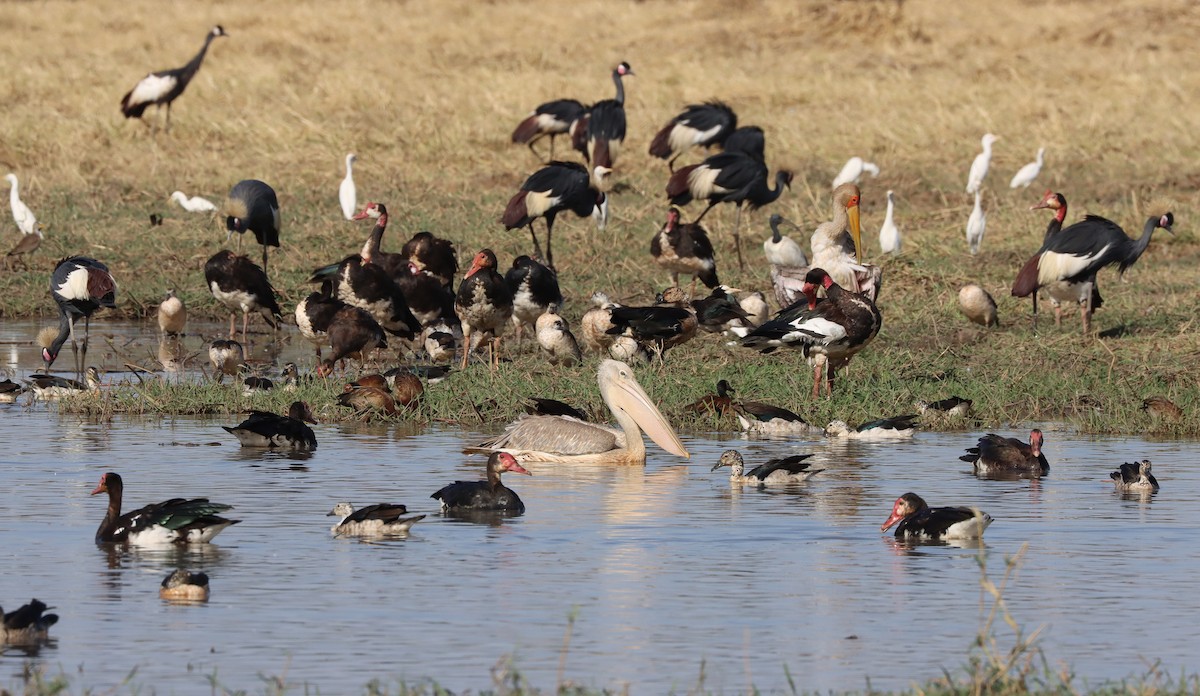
<point>665,568</point>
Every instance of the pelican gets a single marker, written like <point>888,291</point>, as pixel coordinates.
<point>567,440</point>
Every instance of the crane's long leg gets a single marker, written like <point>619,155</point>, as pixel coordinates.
<point>537,248</point>
<point>549,232</point>
<point>1035,294</point>
<point>737,240</point>
<point>710,207</point>
<point>168,115</point>
<point>87,331</point>
<point>552,137</point>
<point>264,259</point>
<point>1086,310</point>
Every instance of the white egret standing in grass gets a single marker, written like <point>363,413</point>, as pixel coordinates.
<point>347,194</point>
<point>853,170</point>
<point>194,204</point>
<point>976,226</point>
<point>1025,175</point>
<point>21,213</point>
<point>889,234</point>
<point>979,168</point>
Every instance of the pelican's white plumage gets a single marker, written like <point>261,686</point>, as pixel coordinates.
<point>889,234</point>
<point>1025,175</point>
<point>194,204</point>
<point>568,440</point>
<point>21,213</point>
<point>853,170</point>
<point>347,193</point>
<point>976,226</point>
<point>979,168</point>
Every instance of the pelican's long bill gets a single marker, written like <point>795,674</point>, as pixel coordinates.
<point>628,396</point>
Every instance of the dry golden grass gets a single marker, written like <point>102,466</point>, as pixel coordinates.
<point>427,93</point>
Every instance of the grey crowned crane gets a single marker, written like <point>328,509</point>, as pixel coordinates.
<point>236,282</point>
<point>702,125</point>
<point>681,248</point>
<point>748,140</point>
<point>1070,258</point>
<point>80,286</point>
<point>484,304</point>
<point>554,118</point>
<point>606,123</point>
<point>550,190</point>
<point>165,86</point>
<point>534,289</point>
<point>733,177</point>
<point>252,205</point>
<point>830,330</point>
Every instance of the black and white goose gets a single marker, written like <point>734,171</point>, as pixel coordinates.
<point>174,521</point>
<point>240,284</point>
<point>700,125</point>
<point>484,304</point>
<point>1134,477</point>
<point>918,520</point>
<point>684,248</point>
<point>165,86</point>
<point>829,330</point>
<point>534,288</point>
<point>881,429</point>
<point>263,429</point>
<point>432,255</point>
<point>79,286</point>
<point>252,205</point>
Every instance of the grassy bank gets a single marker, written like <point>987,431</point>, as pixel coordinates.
<point>426,94</point>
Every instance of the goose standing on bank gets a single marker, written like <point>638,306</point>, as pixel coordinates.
<point>172,315</point>
<point>432,255</point>
<point>347,194</point>
<point>979,167</point>
<point>236,282</point>
<point>252,205</point>
<point>174,521</point>
<point>226,357</point>
<point>567,440</point>
<point>702,125</point>
<point>22,215</point>
<point>534,288</point>
<point>165,86</point>
<point>556,340</point>
<point>684,248</point>
<point>79,286</point>
<point>978,305</point>
<point>484,304</point>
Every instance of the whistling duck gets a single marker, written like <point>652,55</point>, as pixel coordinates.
<point>1025,175</point>
<point>784,470</point>
<point>172,315</point>
<point>853,170</point>
<point>952,407</point>
<point>193,204</point>
<point>239,284</point>
<point>896,428</point>
<point>1134,477</point>
<point>552,189</point>
<point>79,286</point>
<point>719,403</point>
<point>263,429</point>
<point>781,250</point>
<point>165,86</point>
<point>552,118</point>
<point>596,323</point>
<point>27,624</point>
<point>255,384</point>
<point>352,332</point>
<point>566,440</point>
<point>1160,407</point>
<point>406,386</point>
<point>556,340</point>
<point>252,205</point>
<point>979,166</point>
<point>731,176</point>
<point>684,248</point>
<point>174,521</point>
<point>366,400</point>
<point>347,192</point>
<point>227,358</point>
<point>837,245</point>
<point>430,373</point>
<point>51,387</point>
<point>918,520</point>
<point>534,288</point>
<point>830,331</point>
<point>432,255</point>
<point>484,304</point>
<point>538,406</point>
<point>977,304</point>
<point>702,125</point>
<point>9,391</point>
<point>757,417</point>
<point>995,454</point>
<point>381,519</point>
<point>184,585</point>
<point>485,495</point>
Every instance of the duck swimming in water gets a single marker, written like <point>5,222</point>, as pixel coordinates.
<point>489,495</point>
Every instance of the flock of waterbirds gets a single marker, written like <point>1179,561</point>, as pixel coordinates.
<point>828,313</point>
